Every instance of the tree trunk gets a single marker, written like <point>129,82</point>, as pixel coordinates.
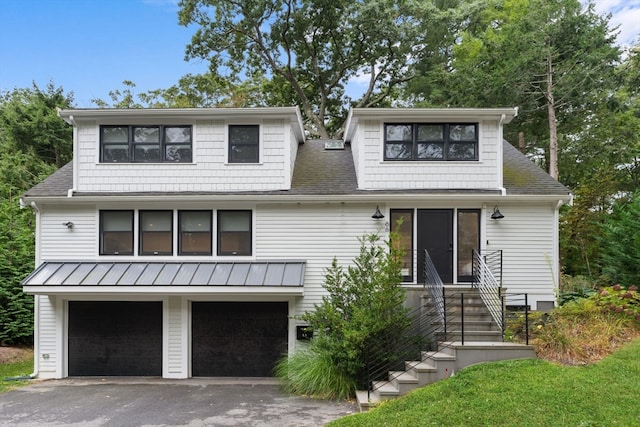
<point>553,126</point>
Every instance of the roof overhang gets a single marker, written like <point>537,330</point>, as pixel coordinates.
<point>167,278</point>
<point>72,116</point>
<point>505,115</point>
<point>372,196</point>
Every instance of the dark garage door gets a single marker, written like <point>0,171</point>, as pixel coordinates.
<point>239,339</point>
<point>115,338</point>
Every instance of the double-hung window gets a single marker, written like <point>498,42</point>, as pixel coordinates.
<point>116,232</point>
<point>156,233</point>
<point>194,237</point>
<point>234,232</point>
<point>145,144</point>
<point>244,143</point>
<point>431,141</point>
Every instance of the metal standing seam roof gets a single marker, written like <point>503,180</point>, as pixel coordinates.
<point>84,273</point>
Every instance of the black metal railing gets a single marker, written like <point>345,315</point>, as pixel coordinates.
<point>489,287</point>
<point>434,286</point>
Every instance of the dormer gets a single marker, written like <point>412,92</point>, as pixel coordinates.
<point>184,150</point>
<point>425,148</point>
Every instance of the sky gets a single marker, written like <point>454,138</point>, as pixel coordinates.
<point>89,47</point>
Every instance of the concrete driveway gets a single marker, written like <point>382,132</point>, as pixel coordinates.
<point>159,402</point>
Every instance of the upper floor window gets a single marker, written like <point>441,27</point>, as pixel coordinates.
<point>116,232</point>
<point>244,143</point>
<point>145,144</point>
<point>156,232</point>
<point>431,141</point>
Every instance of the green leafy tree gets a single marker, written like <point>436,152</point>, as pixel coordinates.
<point>33,142</point>
<point>554,59</point>
<point>311,48</point>
<point>29,123</point>
<point>362,315</point>
<point>621,243</point>
<point>19,171</point>
<point>192,91</point>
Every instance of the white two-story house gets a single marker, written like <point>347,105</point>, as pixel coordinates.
<point>185,242</point>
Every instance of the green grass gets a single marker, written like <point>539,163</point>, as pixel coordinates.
<point>521,393</point>
<point>15,369</point>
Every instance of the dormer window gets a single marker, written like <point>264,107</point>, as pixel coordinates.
<point>145,144</point>
<point>431,141</point>
<point>244,143</point>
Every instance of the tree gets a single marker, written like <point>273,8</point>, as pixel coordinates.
<point>621,243</point>
<point>191,91</point>
<point>362,313</point>
<point>33,141</point>
<point>554,59</point>
<point>311,49</point>
<point>29,123</point>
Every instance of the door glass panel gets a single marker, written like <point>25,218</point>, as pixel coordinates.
<point>402,224</point>
<point>468,240</point>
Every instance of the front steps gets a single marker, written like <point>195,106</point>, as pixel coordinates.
<point>434,366</point>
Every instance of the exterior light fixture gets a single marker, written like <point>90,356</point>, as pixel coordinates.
<point>496,214</point>
<point>68,224</point>
<point>377,214</point>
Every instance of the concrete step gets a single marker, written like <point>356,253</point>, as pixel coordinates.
<point>403,381</point>
<point>366,400</point>
<point>384,390</point>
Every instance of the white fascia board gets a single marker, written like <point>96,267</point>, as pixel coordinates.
<point>296,198</point>
<point>426,114</point>
<point>165,290</point>
<point>72,116</point>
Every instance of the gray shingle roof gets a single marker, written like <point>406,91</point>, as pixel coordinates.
<point>332,172</point>
<point>523,177</point>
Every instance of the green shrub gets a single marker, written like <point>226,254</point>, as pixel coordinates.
<point>357,325</point>
<point>311,371</point>
<point>620,300</point>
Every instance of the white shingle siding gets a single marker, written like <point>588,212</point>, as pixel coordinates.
<point>208,172</point>
<point>376,174</point>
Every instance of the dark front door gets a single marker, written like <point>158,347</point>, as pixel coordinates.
<point>243,339</point>
<point>435,234</point>
<point>113,338</point>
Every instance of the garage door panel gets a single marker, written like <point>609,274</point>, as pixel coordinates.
<point>114,338</point>
<point>238,339</point>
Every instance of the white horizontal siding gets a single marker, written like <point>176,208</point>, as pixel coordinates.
<point>208,172</point>
<point>527,237</point>
<point>375,174</point>
<point>48,351</point>
<point>175,339</point>
<point>315,233</point>
<point>59,242</point>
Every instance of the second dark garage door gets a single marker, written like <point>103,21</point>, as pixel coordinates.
<point>114,338</point>
<point>239,339</point>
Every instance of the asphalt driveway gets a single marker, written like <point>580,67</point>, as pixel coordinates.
<point>158,402</point>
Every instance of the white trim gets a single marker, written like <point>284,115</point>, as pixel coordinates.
<point>162,291</point>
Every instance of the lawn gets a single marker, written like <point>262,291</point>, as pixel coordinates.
<point>17,365</point>
<point>522,393</point>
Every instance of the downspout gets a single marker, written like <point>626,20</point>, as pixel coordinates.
<point>75,142</point>
<point>36,344</point>
<point>503,191</point>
